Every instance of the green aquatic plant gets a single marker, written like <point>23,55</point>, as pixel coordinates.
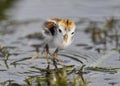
<point>57,77</point>
<point>4,53</point>
<point>96,36</point>
<point>93,25</point>
<point>106,34</point>
<point>78,82</point>
<point>4,5</point>
<point>104,69</point>
<point>110,23</point>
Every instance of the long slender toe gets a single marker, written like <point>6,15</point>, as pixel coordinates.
<point>56,58</point>
<point>35,57</point>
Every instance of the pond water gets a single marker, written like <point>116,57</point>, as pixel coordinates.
<point>28,9</point>
<point>25,17</point>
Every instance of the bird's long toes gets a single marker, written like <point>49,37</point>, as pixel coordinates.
<point>56,58</point>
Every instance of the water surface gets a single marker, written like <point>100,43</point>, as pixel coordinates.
<point>25,17</point>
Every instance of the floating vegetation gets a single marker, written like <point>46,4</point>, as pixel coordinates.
<point>104,69</point>
<point>56,78</point>
<point>4,53</point>
<point>110,23</point>
<point>104,34</point>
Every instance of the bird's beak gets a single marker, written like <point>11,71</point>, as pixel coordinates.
<point>66,37</point>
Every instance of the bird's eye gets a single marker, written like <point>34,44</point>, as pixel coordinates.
<point>72,33</point>
<point>60,30</point>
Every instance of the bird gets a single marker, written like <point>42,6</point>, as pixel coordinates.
<point>58,33</point>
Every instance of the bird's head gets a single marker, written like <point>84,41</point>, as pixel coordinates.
<point>66,29</point>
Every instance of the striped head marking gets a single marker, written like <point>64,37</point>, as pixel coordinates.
<point>67,29</point>
<point>67,24</point>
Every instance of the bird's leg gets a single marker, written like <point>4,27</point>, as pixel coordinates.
<point>55,56</point>
<point>38,54</point>
<point>47,53</point>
